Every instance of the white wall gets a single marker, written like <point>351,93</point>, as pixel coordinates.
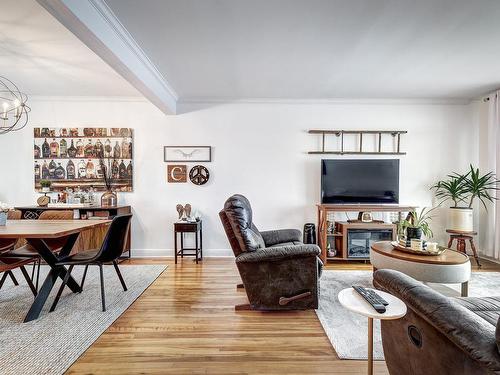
<point>259,149</point>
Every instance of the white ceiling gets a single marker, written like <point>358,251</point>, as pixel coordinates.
<point>220,49</point>
<point>44,58</point>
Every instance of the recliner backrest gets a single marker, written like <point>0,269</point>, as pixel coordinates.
<point>239,215</point>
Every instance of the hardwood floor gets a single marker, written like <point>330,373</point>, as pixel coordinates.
<point>185,323</point>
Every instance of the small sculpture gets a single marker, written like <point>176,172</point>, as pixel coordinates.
<point>184,211</point>
<point>180,210</point>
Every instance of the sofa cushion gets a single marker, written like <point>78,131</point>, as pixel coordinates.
<point>287,244</point>
<point>239,214</point>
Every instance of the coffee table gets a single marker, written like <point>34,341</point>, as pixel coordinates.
<point>351,300</point>
<point>451,267</point>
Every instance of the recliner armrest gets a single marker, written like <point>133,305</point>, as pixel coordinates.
<point>273,237</point>
<point>472,334</point>
<point>276,254</point>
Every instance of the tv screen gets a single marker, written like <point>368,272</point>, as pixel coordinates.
<point>360,181</point>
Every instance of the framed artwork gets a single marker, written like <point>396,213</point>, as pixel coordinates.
<point>187,153</point>
<point>176,173</point>
<point>71,157</point>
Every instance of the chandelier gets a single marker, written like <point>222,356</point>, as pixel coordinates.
<point>13,108</point>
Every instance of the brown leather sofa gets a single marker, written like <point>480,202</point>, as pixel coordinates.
<point>439,335</point>
<point>278,271</point>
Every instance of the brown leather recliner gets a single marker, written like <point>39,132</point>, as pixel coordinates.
<point>439,335</point>
<point>278,271</point>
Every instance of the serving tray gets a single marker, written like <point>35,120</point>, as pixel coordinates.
<point>397,246</point>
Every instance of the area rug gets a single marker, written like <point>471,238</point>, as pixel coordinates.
<point>50,344</point>
<point>347,331</point>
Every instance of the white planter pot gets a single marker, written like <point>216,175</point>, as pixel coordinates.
<point>46,190</point>
<point>3,218</point>
<point>461,219</point>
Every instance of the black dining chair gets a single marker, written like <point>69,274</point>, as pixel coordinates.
<point>112,247</point>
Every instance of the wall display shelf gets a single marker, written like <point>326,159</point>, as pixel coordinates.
<point>70,157</point>
<point>89,239</point>
<point>379,134</point>
<point>347,238</point>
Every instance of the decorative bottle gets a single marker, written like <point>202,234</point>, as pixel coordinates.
<point>52,169</point>
<point>89,149</point>
<point>37,171</point>
<point>82,169</point>
<point>117,151</point>
<point>90,169</point>
<point>54,148</point>
<point>115,172</point>
<point>37,152</point>
<point>63,148</point>
<point>70,170</point>
<point>122,172</point>
<point>79,149</point>
<point>129,170</point>
<point>99,172</point>
<point>99,149</point>
<point>60,172</point>
<point>72,150</point>
<point>107,148</point>
<point>125,149</point>
<point>45,170</point>
<point>45,149</point>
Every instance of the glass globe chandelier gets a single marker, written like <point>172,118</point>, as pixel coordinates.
<point>13,108</point>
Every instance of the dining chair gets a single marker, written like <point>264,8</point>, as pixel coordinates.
<point>8,244</point>
<point>9,264</point>
<point>112,247</point>
<point>55,244</point>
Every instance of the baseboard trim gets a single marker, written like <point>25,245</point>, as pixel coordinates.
<point>169,253</point>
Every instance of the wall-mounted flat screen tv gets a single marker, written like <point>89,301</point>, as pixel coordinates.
<point>358,181</point>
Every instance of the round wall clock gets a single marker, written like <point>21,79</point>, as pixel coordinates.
<point>199,175</point>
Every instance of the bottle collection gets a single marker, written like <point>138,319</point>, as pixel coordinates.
<point>76,153</point>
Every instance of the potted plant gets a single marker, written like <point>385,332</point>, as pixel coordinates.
<point>4,209</point>
<point>418,224</point>
<point>45,184</point>
<point>462,190</point>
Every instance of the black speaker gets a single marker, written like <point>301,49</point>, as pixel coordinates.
<point>309,233</point>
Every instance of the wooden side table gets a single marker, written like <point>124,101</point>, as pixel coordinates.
<point>189,227</point>
<point>461,238</point>
<point>352,301</point>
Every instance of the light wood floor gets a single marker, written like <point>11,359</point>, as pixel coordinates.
<point>185,323</point>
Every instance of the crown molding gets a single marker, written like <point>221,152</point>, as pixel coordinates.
<point>95,24</point>
<point>337,101</point>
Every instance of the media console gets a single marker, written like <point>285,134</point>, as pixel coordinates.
<point>352,240</point>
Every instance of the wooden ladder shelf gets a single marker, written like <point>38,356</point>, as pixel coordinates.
<point>360,133</point>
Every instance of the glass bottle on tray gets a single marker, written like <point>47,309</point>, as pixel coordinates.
<point>60,173</point>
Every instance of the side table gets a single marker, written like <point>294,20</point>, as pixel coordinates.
<point>352,301</point>
<point>188,227</point>
<point>461,238</point>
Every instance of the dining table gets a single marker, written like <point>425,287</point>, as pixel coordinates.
<point>36,232</point>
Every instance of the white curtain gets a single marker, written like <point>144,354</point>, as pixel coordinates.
<point>491,247</point>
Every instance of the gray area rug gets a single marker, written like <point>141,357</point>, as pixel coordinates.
<point>347,331</point>
<point>50,344</point>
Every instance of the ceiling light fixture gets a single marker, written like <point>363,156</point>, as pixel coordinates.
<point>13,108</point>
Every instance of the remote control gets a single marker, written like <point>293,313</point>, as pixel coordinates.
<point>377,302</point>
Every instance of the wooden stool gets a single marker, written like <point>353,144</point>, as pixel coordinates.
<point>461,237</point>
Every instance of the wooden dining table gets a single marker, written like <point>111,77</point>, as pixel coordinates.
<point>36,232</point>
